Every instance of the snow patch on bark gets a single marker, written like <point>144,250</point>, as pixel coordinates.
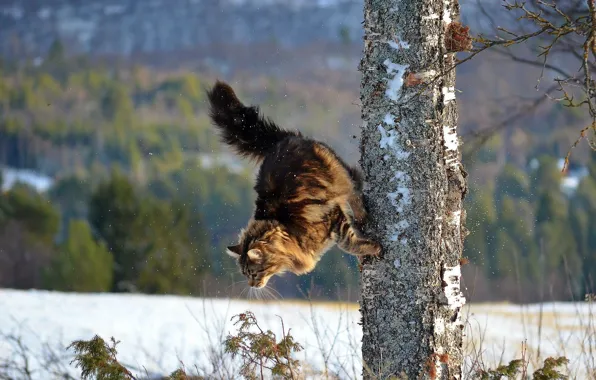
<point>401,197</point>
<point>395,84</point>
<point>388,141</point>
<point>399,43</point>
<point>388,119</point>
<point>387,137</point>
<point>399,228</point>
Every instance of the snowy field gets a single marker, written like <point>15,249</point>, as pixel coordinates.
<point>159,332</point>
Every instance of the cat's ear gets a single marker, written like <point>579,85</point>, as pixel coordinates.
<point>255,255</point>
<point>234,251</point>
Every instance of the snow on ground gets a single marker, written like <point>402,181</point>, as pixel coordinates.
<point>157,332</point>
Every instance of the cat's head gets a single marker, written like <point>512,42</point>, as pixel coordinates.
<point>264,250</point>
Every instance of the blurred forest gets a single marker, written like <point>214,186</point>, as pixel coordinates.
<point>143,198</point>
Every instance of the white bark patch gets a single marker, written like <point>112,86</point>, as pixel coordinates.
<point>439,326</point>
<point>432,39</point>
<point>447,16</point>
<point>450,136</point>
<point>448,94</point>
<point>439,368</point>
<point>395,84</point>
<point>455,302</point>
<point>455,298</point>
<point>451,145</point>
<point>397,263</point>
<point>432,16</point>
<point>456,218</point>
<point>426,75</point>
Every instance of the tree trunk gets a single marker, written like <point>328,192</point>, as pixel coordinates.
<point>411,300</point>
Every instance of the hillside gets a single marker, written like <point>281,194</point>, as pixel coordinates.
<point>103,124</point>
<point>135,27</point>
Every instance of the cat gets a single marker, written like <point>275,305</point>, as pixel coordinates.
<point>308,199</point>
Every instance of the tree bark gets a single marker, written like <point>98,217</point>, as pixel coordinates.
<point>411,300</point>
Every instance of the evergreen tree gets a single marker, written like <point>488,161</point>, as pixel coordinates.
<point>71,195</point>
<point>117,107</point>
<point>173,265</point>
<point>507,255</point>
<point>82,264</point>
<point>33,210</point>
<point>511,182</point>
<point>481,220</point>
<point>515,220</point>
<point>56,53</point>
<point>551,206</point>
<point>547,176</point>
<point>4,207</point>
<point>26,237</point>
<point>553,232</point>
<point>156,248</point>
<point>583,222</point>
<point>115,212</point>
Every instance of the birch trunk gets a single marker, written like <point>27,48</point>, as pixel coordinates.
<point>411,300</point>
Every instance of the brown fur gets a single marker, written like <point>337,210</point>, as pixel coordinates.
<point>308,199</point>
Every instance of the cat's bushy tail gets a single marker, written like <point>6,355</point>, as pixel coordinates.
<point>243,128</point>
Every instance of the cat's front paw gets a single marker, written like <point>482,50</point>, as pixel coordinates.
<point>374,249</point>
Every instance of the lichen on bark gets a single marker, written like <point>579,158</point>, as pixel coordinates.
<point>411,298</point>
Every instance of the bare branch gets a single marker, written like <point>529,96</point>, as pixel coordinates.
<point>558,27</point>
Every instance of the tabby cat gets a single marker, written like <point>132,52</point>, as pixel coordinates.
<point>308,199</point>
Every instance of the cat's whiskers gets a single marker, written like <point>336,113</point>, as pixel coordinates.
<point>277,294</point>
<point>272,295</point>
<point>235,283</point>
<point>265,293</point>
